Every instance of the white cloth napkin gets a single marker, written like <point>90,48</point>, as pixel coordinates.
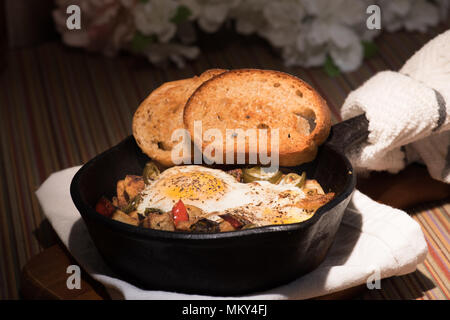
<point>408,113</point>
<point>373,240</point>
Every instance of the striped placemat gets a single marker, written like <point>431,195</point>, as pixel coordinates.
<point>60,106</point>
<point>431,279</point>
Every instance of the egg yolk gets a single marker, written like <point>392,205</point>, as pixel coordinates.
<point>194,186</point>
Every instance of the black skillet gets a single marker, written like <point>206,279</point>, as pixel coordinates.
<point>227,263</point>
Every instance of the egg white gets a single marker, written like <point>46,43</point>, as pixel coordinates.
<point>215,191</point>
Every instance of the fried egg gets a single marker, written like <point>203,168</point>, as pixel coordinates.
<point>216,193</point>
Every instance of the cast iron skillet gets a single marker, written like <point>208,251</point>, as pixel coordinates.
<point>228,263</point>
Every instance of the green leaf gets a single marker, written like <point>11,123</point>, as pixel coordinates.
<point>141,41</point>
<point>182,14</point>
<point>143,1</point>
<point>330,67</point>
<point>370,49</point>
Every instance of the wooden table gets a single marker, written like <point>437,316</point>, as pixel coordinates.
<point>44,276</point>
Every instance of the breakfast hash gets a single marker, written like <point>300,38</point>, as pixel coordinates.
<point>200,199</point>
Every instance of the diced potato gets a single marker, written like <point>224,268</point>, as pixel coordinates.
<point>128,188</point>
<point>159,221</point>
<point>225,226</point>
<point>183,225</point>
<point>134,214</point>
<point>121,199</point>
<point>123,217</point>
<point>313,202</point>
<point>134,185</point>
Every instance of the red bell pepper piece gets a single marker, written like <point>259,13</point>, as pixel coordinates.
<point>179,213</point>
<point>105,207</point>
<point>232,220</point>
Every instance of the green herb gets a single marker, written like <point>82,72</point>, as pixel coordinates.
<point>182,14</point>
<point>330,67</point>
<point>150,172</point>
<point>141,41</point>
<point>370,49</point>
<point>132,205</point>
<point>152,210</point>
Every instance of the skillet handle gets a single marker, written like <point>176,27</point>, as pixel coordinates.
<point>348,133</point>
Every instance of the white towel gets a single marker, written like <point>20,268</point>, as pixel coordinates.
<point>372,240</point>
<point>408,113</point>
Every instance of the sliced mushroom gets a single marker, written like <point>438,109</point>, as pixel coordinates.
<point>194,213</point>
<point>205,226</point>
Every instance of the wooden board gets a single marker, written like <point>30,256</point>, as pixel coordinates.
<point>45,276</point>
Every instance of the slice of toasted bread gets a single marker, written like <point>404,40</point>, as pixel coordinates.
<point>262,99</point>
<point>161,113</point>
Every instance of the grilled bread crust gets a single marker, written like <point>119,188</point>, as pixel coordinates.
<point>161,113</point>
<point>261,99</point>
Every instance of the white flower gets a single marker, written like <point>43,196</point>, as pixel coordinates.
<point>276,21</point>
<point>444,8</point>
<point>210,14</point>
<point>129,4</point>
<point>249,16</point>
<point>345,48</point>
<point>348,12</point>
<point>414,15</point>
<point>280,14</point>
<point>160,52</point>
<point>331,30</point>
<point>421,16</point>
<point>301,53</point>
<point>107,25</point>
<point>153,18</point>
<point>283,21</point>
<point>304,31</point>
